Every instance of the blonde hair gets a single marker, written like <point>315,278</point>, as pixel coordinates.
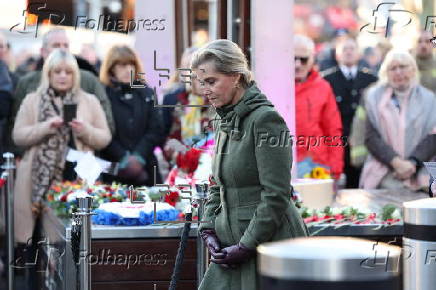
<point>227,57</point>
<point>55,58</point>
<point>402,56</point>
<point>119,54</point>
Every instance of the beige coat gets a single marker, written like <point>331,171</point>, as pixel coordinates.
<point>28,132</point>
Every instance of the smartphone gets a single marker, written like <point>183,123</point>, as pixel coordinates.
<point>70,111</point>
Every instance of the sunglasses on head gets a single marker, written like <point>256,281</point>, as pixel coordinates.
<point>302,59</point>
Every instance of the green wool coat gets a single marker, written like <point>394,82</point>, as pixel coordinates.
<point>251,202</point>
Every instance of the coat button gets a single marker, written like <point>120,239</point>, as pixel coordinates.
<point>354,92</point>
<point>354,105</point>
<point>338,99</point>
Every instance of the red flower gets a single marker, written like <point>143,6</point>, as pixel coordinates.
<point>63,198</point>
<point>188,161</point>
<point>114,199</point>
<point>339,217</point>
<point>309,219</point>
<point>172,198</point>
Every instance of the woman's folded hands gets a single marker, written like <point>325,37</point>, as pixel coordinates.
<point>404,169</point>
<point>229,257</point>
<point>234,255</point>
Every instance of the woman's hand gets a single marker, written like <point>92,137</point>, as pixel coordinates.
<point>404,169</point>
<point>55,122</point>
<point>77,126</point>
<point>172,149</point>
<point>133,170</point>
<point>212,243</point>
<point>234,255</point>
<point>134,164</point>
<point>36,208</point>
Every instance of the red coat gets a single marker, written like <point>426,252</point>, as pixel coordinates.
<point>318,124</point>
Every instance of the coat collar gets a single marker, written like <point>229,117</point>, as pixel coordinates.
<point>232,115</point>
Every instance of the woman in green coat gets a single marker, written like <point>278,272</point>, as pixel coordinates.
<point>250,195</point>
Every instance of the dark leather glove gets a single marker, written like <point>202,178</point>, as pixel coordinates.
<point>234,255</point>
<point>212,243</point>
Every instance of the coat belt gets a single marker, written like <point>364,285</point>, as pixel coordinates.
<point>230,197</point>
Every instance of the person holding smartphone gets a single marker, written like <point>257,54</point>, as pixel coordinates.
<point>58,116</point>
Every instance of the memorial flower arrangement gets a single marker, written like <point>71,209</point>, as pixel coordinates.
<point>134,214</point>
<point>62,196</point>
<point>350,215</point>
<point>186,165</point>
<point>115,204</point>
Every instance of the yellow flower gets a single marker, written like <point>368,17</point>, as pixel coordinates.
<point>320,173</point>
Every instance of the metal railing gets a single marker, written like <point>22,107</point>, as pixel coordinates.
<point>83,216</point>
<point>8,197</point>
<point>202,253</point>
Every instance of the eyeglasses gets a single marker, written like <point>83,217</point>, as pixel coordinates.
<point>302,59</point>
<point>401,67</point>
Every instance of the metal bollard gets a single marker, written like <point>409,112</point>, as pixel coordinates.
<point>328,263</point>
<point>9,167</point>
<point>419,244</point>
<point>84,212</point>
<point>202,254</point>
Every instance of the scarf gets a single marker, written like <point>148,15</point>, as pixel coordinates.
<point>232,115</point>
<point>402,129</point>
<point>49,160</point>
<point>228,123</point>
<point>191,120</point>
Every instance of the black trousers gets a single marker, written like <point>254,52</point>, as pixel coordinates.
<point>352,173</point>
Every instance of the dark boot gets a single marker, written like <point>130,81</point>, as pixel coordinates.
<point>19,261</point>
<point>30,269</point>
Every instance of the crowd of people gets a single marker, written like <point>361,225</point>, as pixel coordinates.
<point>368,101</point>
<point>334,94</point>
<point>383,109</point>
<point>373,110</point>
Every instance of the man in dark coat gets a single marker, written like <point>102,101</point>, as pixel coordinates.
<point>348,82</point>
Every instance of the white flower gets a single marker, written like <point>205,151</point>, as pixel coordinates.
<point>78,193</point>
